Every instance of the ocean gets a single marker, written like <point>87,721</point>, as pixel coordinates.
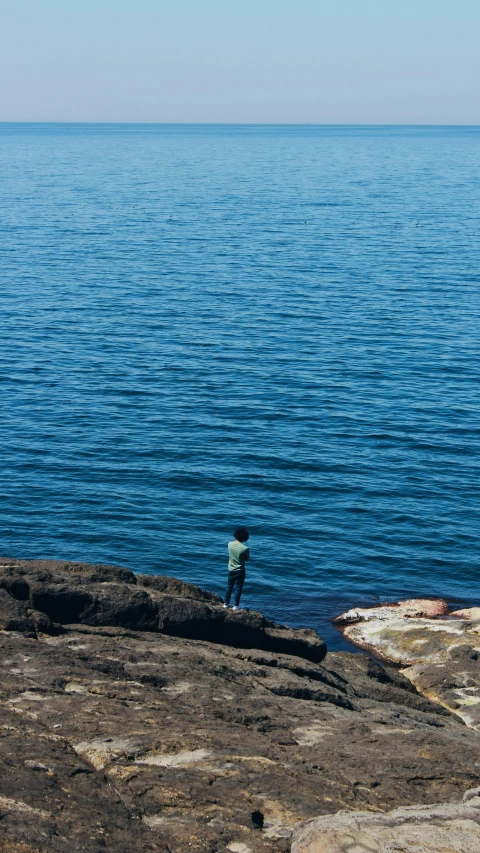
<point>278,326</point>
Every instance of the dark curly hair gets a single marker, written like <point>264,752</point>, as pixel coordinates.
<point>241,534</point>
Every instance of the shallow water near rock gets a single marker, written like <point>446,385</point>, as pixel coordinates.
<point>279,326</point>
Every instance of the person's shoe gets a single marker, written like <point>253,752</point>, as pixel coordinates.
<point>225,605</point>
<point>236,608</point>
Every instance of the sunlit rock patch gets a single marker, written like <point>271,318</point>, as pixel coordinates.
<point>438,653</point>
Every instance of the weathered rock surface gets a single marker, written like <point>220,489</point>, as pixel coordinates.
<point>413,607</point>
<point>123,738</point>
<point>439,655</point>
<point>470,613</point>
<point>444,828</point>
<point>67,593</point>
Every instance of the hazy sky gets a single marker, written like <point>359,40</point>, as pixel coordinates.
<point>372,61</point>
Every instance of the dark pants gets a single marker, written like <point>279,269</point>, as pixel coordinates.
<point>235,579</point>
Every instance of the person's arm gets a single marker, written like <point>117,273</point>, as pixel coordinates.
<point>246,555</point>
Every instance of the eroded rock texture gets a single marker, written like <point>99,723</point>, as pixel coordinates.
<point>47,594</point>
<point>442,828</point>
<point>118,737</point>
<point>439,650</point>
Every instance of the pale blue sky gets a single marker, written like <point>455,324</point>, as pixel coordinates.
<point>345,61</point>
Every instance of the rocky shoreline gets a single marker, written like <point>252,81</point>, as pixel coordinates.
<point>438,649</point>
<point>139,715</point>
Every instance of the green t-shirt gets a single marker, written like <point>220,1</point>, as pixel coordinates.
<point>238,553</point>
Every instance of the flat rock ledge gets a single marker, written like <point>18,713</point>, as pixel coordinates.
<point>438,649</point>
<point>137,715</point>
<point>442,828</point>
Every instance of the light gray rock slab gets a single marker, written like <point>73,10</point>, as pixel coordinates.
<point>440,654</point>
<point>443,828</point>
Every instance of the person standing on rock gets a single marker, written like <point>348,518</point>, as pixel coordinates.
<point>238,554</point>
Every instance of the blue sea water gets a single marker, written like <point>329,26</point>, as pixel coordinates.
<point>278,326</point>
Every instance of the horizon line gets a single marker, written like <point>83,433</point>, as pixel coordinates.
<point>239,123</point>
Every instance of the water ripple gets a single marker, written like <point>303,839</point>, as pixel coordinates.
<point>210,325</point>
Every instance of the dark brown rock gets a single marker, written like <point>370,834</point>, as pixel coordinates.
<point>76,593</point>
<point>200,620</point>
<point>43,624</point>
<point>174,586</point>
<point>191,738</point>
<point>12,570</point>
<point>13,614</point>
<point>121,739</point>
<point>109,603</point>
<point>51,801</point>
